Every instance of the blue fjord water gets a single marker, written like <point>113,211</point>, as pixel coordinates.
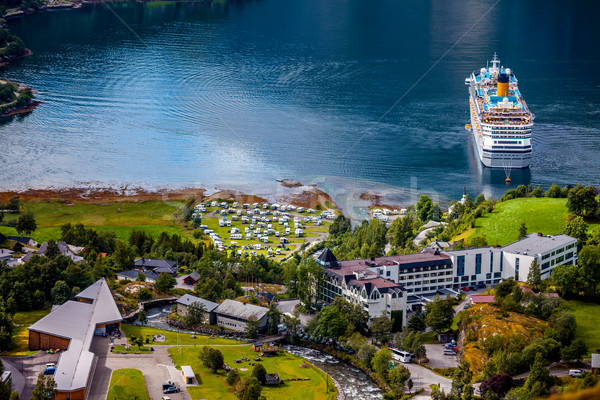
<point>349,94</point>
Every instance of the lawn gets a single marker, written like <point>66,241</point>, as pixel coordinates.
<point>501,227</point>
<point>132,349</point>
<point>588,321</point>
<point>151,216</point>
<point>171,337</point>
<point>22,320</point>
<point>127,384</point>
<point>286,365</point>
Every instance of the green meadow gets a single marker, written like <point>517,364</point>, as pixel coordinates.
<point>317,387</point>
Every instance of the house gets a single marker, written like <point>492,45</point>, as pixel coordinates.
<point>64,249</point>
<point>191,279</point>
<point>188,375</point>
<point>152,268</point>
<point>157,266</point>
<point>234,315</point>
<point>24,240</point>
<point>5,255</point>
<point>482,298</point>
<point>595,362</point>
<point>269,297</point>
<point>71,327</point>
<point>209,307</point>
<point>132,275</point>
<point>272,379</point>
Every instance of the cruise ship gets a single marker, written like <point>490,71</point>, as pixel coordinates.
<point>500,119</point>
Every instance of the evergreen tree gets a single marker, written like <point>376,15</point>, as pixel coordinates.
<point>534,277</point>
<point>522,230</point>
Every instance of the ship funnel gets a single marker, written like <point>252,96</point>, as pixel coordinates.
<point>502,89</point>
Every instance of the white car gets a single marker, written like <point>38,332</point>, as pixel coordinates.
<point>575,372</point>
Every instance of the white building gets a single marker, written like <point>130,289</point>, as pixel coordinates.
<point>234,315</point>
<point>359,285</point>
<point>489,265</point>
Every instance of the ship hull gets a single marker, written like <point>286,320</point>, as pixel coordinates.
<point>496,159</point>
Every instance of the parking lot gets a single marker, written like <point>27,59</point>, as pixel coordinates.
<point>29,368</point>
<point>437,358</point>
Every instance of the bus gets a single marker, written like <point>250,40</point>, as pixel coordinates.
<point>401,355</point>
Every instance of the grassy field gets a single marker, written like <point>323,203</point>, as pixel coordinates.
<point>127,384</point>
<point>151,216</point>
<point>132,349</point>
<point>588,321</point>
<point>20,336</point>
<point>171,337</point>
<point>501,227</point>
<point>286,365</point>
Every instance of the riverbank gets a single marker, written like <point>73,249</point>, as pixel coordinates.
<point>307,196</point>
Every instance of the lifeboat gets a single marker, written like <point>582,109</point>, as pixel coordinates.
<point>507,180</point>
<point>468,127</point>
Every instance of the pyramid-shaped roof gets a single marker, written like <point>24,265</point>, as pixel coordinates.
<point>327,258</point>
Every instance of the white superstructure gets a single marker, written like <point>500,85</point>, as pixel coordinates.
<point>500,119</point>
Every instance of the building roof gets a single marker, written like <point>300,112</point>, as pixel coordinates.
<point>241,310</point>
<point>534,243</point>
<point>77,320</point>
<point>478,250</point>
<point>404,261</point>
<point>595,360</point>
<point>482,298</point>
<point>271,378</point>
<point>267,296</point>
<point>133,274</point>
<point>188,299</point>
<point>187,371</point>
<point>152,263</point>
<point>21,239</point>
<point>326,258</point>
<point>6,253</point>
<point>194,275</point>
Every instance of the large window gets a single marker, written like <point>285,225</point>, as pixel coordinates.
<point>477,263</point>
<point>491,262</point>
<point>460,265</point>
<point>516,269</point>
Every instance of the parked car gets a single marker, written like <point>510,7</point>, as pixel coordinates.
<point>449,352</point>
<point>465,288</point>
<point>170,390</point>
<point>575,372</point>
<point>165,398</point>
<point>49,371</point>
<point>481,285</point>
<point>466,306</point>
<point>473,288</point>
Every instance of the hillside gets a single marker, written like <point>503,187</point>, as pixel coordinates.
<point>501,227</point>
<point>487,321</point>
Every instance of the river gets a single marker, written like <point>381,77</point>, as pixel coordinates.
<point>349,94</point>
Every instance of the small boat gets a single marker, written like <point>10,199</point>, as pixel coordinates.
<point>468,127</point>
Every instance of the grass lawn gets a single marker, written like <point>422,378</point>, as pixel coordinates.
<point>20,336</point>
<point>588,321</point>
<point>127,384</point>
<point>132,349</point>
<point>151,216</point>
<point>286,365</point>
<point>171,337</point>
<point>501,227</point>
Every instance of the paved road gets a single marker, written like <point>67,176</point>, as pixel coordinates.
<point>157,369</point>
<point>27,370</point>
<point>422,378</point>
<point>287,306</point>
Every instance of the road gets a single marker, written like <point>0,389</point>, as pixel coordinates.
<point>288,306</point>
<point>422,378</point>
